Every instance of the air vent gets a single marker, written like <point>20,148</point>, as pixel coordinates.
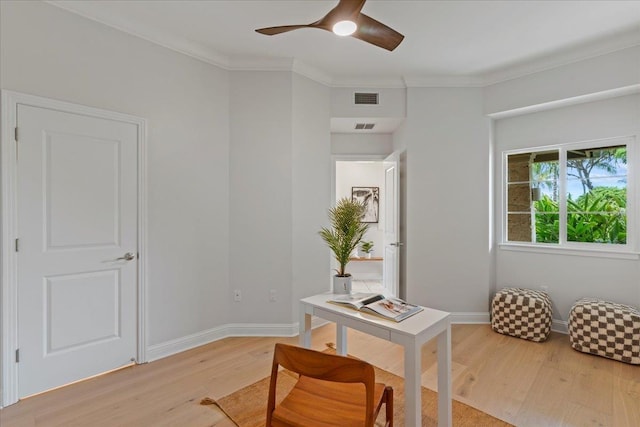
<point>362,98</point>
<point>364,126</point>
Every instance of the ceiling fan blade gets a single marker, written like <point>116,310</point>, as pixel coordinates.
<point>376,33</point>
<point>344,10</point>
<point>271,31</point>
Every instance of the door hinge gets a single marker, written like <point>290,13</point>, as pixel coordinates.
<point>17,245</point>
<point>17,355</point>
<point>15,134</point>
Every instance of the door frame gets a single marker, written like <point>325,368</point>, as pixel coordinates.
<point>9,296</point>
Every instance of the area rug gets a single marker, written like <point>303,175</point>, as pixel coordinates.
<point>247,407</point>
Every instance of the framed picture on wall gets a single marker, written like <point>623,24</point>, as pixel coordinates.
<point>370,197</point>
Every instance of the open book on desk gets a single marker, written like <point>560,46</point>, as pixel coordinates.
<point>390,308</point>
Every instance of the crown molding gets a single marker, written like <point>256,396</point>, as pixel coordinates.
<point>369,82</point>
<point>443,81</point>
<point>261,64</point>
<point>583,52</point>
<point>311,72</point>
<point>177,44</point>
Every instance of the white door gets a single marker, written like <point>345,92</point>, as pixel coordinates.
<point>391,267</point>
<point>77,248</point>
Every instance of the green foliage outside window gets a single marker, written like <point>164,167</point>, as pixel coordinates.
<point>547,220</point>
<point>598,216</point>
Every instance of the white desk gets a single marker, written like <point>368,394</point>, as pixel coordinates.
<point>411,333</point>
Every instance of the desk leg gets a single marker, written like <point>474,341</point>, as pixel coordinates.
<point>341,338</point>
<point>412,385</point>
<point>444,378</point>
<point>305,329</point>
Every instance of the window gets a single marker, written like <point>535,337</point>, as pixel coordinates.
<point>571,195</point>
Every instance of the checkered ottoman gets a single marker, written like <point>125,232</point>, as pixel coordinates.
<point>605,329</point>
<point>522,313</point>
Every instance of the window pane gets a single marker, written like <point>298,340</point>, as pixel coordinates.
<point>519,227</point>
<point>518,167</point>
<point>519,198</point>
<point>603,198</point>
<point>576,189</point>
<point>532,186</point>
<point>547,227</point>
<point>545,175</point>
<point>597,195</point>
<point>597,228</point>
<point>584,164</point>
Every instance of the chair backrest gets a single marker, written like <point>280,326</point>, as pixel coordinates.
<point>322,366</point>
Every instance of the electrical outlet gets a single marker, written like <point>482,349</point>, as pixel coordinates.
<point>272,295</point>
<point>237,295</point>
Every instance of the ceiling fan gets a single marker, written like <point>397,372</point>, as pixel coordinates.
<point>346,20</point>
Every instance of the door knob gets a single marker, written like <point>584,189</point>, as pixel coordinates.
<point>127,257</point>
<point>397,244</point>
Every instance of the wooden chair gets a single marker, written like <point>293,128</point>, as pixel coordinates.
<point>331,391</point>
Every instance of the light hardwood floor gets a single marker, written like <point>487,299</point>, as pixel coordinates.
<point>524,383</point>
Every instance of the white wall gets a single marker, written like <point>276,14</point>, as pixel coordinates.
<point>447,141</point>
<point>367,143</point>
<point>602,73</point>
<point>260,195</point>
<point>279,171</point>
<point>52,53</point>
<point>311,192</point>
<point>569,277</point>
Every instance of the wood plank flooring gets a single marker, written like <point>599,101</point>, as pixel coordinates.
<point>524,383</point>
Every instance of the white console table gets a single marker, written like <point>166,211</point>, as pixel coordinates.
<point>411,333</point>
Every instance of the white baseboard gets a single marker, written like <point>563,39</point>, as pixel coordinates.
<point>561,326</point>
<point>168,348</point>
<point>470,317</point>
<point>366,276</point>
<point>261,330</point>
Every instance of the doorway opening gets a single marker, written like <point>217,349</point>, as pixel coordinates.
<point>374,178</point>
<point>364,180</point>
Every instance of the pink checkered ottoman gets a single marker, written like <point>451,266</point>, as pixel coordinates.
<point>605,329</point>
<point>522,313</point>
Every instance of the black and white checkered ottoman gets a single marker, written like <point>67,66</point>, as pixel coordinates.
<point>606,329</point>
<point>522,313</point>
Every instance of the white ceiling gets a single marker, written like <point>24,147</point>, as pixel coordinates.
<point>469,43</point>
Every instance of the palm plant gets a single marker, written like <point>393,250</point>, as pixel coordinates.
<point>346,231</point>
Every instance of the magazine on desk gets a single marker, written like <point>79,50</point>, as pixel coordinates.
<point>390,308</point>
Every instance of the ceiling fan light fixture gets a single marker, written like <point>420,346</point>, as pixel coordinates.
<point>352,22</point>
<point>344,28</point>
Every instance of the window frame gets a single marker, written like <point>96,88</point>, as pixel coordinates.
<point>629,250</point>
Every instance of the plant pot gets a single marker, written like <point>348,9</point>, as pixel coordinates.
<point>341,285</point>
<point>369,255</point>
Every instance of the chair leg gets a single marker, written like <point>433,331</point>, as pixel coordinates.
<point>388,391</point>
